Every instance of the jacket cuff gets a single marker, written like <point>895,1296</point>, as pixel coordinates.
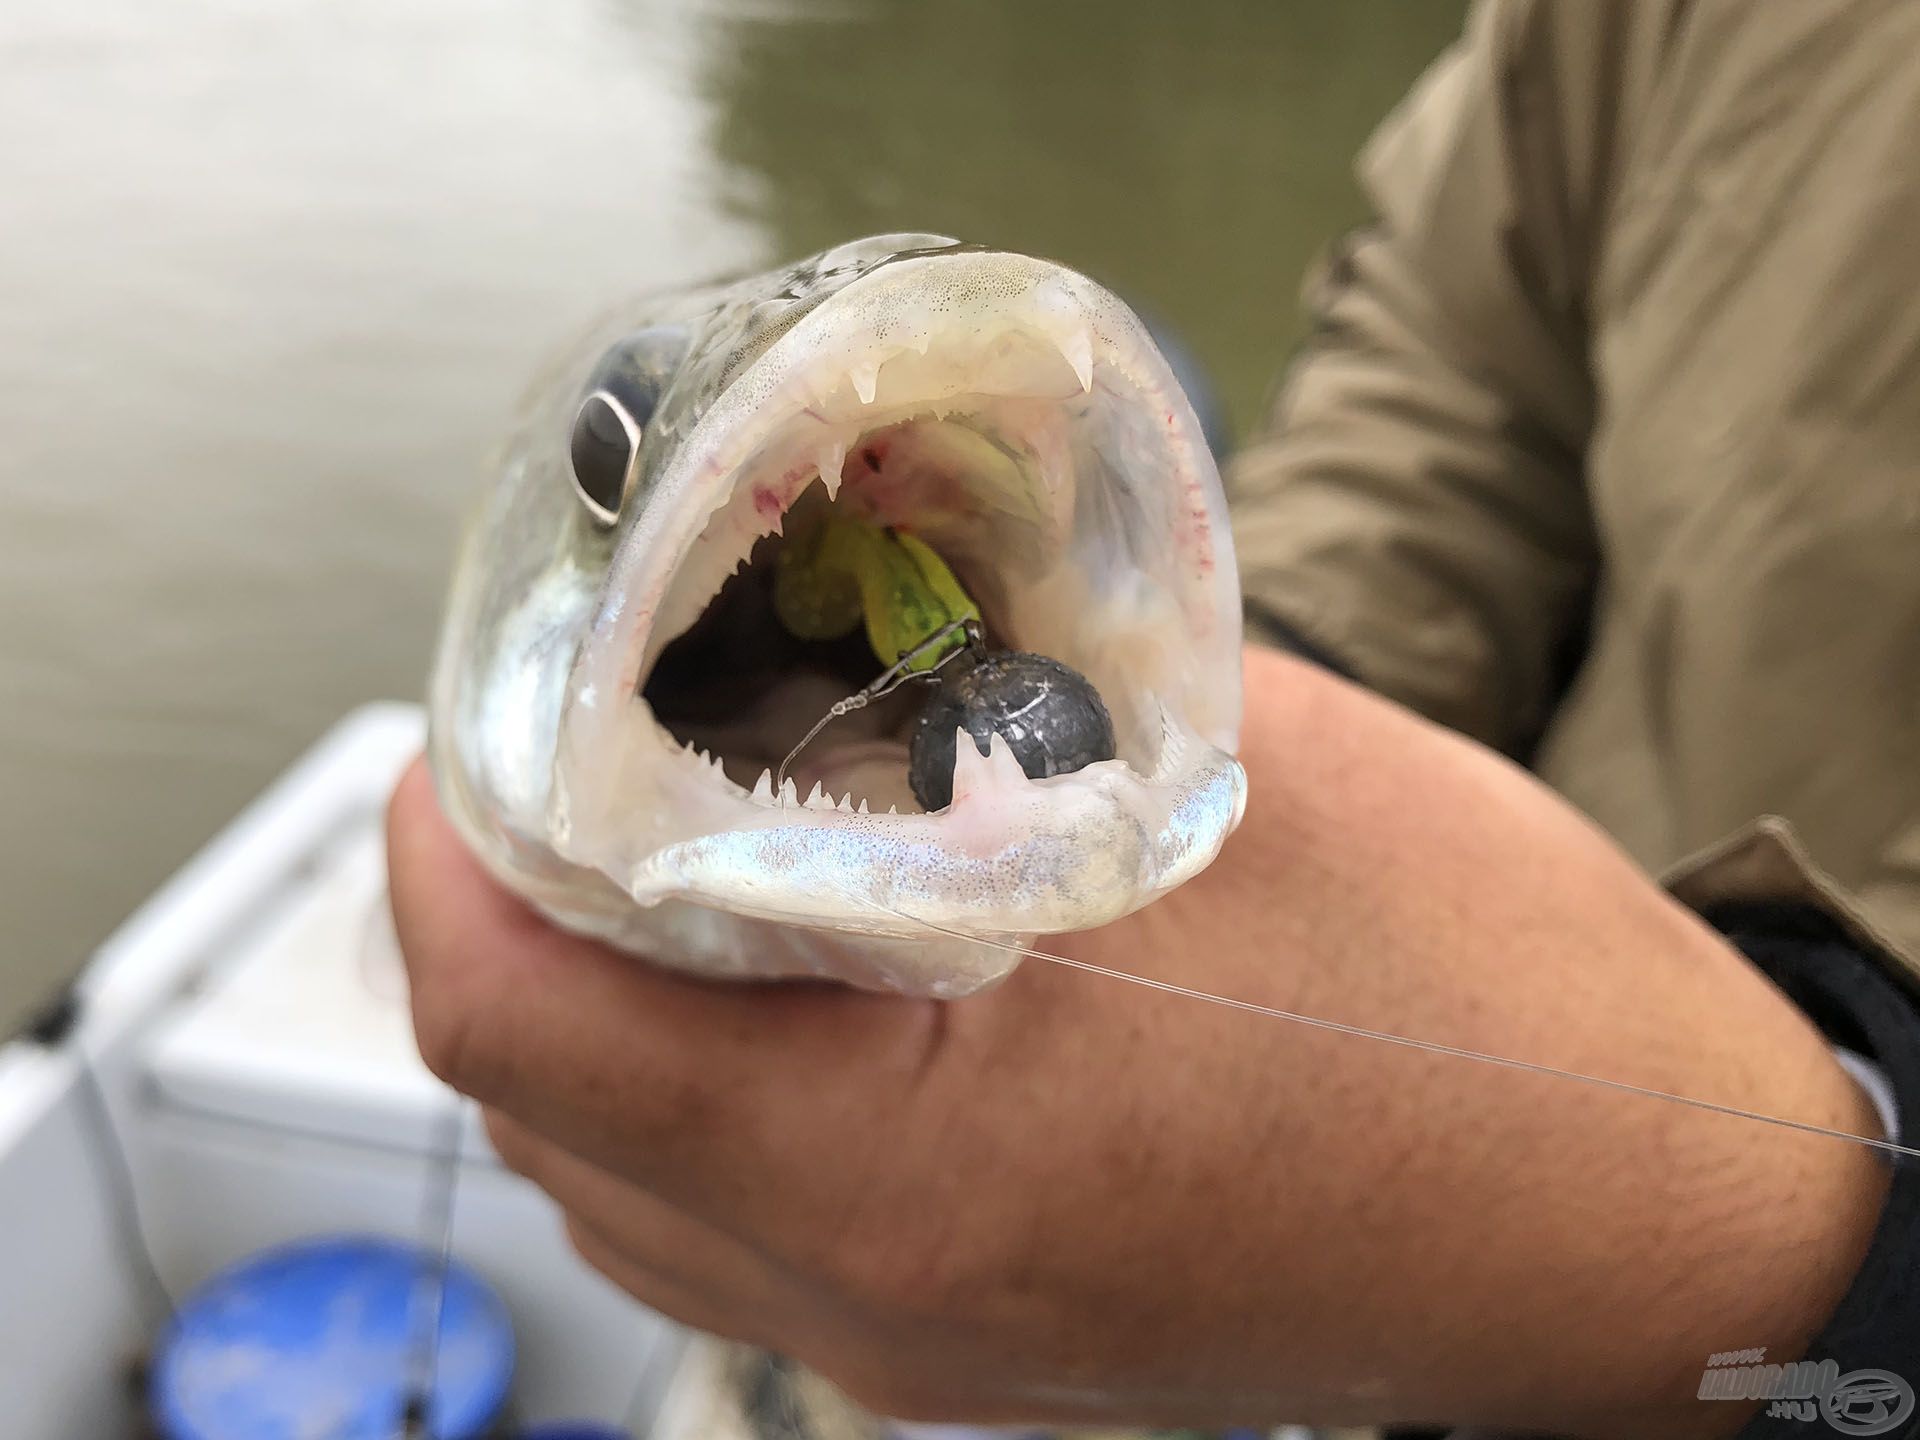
<point>1869,1348</point>
<point>1862,990</point>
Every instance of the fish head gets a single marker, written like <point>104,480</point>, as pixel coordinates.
<point>615,694</point>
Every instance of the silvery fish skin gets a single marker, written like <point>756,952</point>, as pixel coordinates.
<point>608,702</point>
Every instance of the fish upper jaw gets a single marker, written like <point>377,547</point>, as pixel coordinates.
<point>1107,494</point>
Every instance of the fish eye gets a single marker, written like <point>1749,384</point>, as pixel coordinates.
<point>606,454</point>
<point>611,423</point>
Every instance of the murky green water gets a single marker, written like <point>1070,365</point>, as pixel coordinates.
<point>271,277</point>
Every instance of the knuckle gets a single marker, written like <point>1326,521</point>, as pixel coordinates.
<point>602,1254</point>
<point>583,1242</point>
<point>451,1042</point>
<point>599,1255</point>
<point>509,1145</point>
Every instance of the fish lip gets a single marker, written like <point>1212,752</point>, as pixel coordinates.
<point>662,858</point>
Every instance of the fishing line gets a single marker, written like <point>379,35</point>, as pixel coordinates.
<point>436,1230</point>
<point>1408,1042</point>
<point>887,681</point>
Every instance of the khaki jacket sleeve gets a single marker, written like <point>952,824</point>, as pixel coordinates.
<point>1417,509</point>
<point>1767,861</point>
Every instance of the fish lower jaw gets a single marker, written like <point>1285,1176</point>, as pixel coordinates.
<point>992,778</point>
<point>1010,855</point>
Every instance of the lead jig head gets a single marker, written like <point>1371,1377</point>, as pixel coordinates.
<point>1051,717</point>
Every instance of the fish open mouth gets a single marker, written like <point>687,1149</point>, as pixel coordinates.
<point>742,691</point>
<point>1016,420</point>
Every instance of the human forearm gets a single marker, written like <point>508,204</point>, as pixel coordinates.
<point>1592,1248</point>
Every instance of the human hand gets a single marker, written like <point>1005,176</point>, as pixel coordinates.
<point>1071,1199</point>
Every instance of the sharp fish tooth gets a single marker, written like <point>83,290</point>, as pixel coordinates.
<point>1000,757</point>
<point>866,380</point>
<point>845,803</point>
<point>974,772</point>
<point>1078,348</point>
<point>817,798</point>
<point>816,387</point>
<point>862,810</point>
<point>970,773</point>
<point>763,788</point>
<point>831,460</point>
<point>788,794</point>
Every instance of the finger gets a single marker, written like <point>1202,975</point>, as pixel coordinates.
<point>663,1293</point>
<point>697,1091</point>
<point>655,1235</point>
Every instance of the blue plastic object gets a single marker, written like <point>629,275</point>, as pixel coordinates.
<point>316,1338</point>
<point>575,1430</point>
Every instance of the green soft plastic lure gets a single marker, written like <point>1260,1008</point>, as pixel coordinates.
<point>836,570</point>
